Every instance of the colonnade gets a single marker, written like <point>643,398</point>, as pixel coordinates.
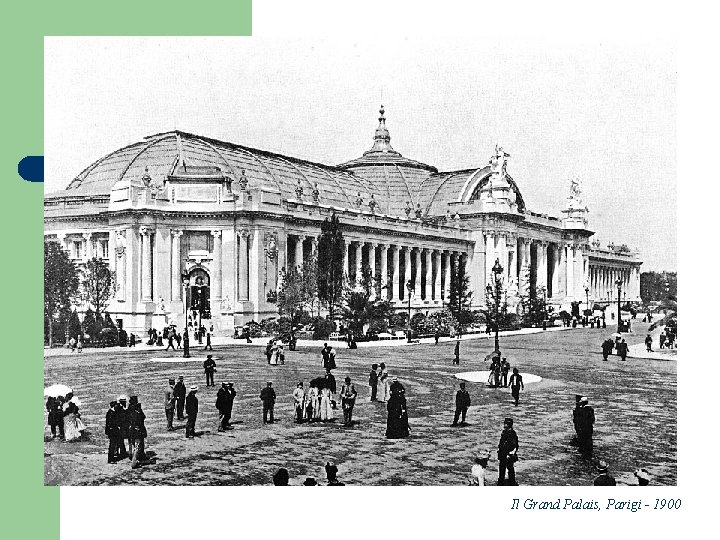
<point>603,282</point>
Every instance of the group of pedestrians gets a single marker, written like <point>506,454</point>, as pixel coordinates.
<point>620,346</point>
<point>64,418</point>
<point>275,352</point>
<point>125,421</point>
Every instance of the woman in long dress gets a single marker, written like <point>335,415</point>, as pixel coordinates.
<point>397,419</point>
<point>383,383</point>
<point>326,410</point>
<point>274,355</point>
<point>313,404</point>
<point>73,425</point>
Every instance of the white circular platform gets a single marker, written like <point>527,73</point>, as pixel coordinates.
<point>174,360</point>
<point>482,377</point>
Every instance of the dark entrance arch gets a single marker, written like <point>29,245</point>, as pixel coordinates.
<point>199,293</point>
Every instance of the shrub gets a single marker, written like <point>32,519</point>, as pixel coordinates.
<point>322,328</point>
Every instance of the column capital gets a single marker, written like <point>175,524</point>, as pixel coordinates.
<point>217,233</point>
<point>146,231</point>
<point>87,235</point>
<point>177,233</point>
<point>243,233</point>
<point>384,247</point>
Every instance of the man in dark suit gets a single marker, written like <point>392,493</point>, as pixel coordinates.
<point>170,403</point>
<point>604,478</point>
<point>229,400</point>
<point>112,431</point>
<point>209,367</point>
<point>267,396</point>
<point>186,344</point>
<point>507,453</point>
<point>191,408</point>
<point>373,382</point>
<point>348,395</point>
<point>123,421</point>
<point>585,423</point>
<point>221,405</point>
<point>462,402</point>
<point>55,416</point>
<point>179,391</point>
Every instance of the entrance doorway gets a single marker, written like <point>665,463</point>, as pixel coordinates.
<point>199,294</point>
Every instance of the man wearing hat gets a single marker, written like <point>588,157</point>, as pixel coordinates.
<point>179,392</point>
<point>209,367</point>
<point>643,477</point>
<point>604,478</point>
<point>137,432</point>
<point>462,402</point>
<point>584,426</point>
<point>186,344</point>
<point>299,397</point>
<point>267,396</point>
<point>331,471</point>
<point>112,431</point>
<point>507,453</point>
<point>123,421</point>
<point>170,403</point>
<point>348,394</point>
<point>229,400</point>
<point>221,404</point>
<point>191,408</point>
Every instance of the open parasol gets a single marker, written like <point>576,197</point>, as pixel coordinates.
<point>57,390</point>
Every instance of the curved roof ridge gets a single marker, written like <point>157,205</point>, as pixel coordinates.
<point>407,187</point>
<point>440,185</point>
<point>87,170</point>
<point>387,182</point>
<point>299,171</point>
<point>232,169</point>
<point>143,149</point>
<point>264,166</point>
<point>334,181</point>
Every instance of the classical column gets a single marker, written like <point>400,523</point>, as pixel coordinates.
<point>438,277</point>
<point>542,264</point>
<point>299,249</point>
<point>502,255</point>
<point>255,269</point>
<point>120,255</point>
<point>146,262</point>
<point>346,260</point>
<point>448,276</point>
<point>371,258</point>
<point>216,284</point>
<point>243,278</point>
<point>418,273</point>
<point>175,270</point>
<point>358,260</point>
<point>408,272</point>
<point>396,273</point>
<point>579,272</point>
<point>571,270</point>
<point>428,274</point>
<point>383,271</point>
<point>490,256</point>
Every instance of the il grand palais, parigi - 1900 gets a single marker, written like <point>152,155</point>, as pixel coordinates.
<point>231,217</point>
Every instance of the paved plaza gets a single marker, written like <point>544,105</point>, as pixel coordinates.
<point>635,405</point>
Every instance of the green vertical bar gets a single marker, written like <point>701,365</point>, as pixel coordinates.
<point>29,509</point>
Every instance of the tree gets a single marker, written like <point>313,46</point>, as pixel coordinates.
<point>292,296</point>
<point>364,305</point>
<point>330,258</point>
<point>310,285</point>
<point>61,283</point>
<point>460,297</point>
<point>534,307</point>
<point>98,285</point>
<point>658,286</point>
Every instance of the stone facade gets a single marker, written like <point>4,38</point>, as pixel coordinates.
<point>231,217</point>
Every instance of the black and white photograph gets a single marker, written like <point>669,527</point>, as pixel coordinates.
<point>345,262</point>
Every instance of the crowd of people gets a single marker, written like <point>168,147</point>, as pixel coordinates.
<point>64,417</point>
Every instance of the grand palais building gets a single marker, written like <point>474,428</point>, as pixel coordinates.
<point>230,217</point>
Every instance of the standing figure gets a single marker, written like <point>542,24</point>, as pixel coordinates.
<point>462,402</point>
<point>170,404</point>
<point>208,345</point>
<point>299,397</point>
<point>170,336</point>
<point>584,426</point>
<point>269,349</point>
<point>456,360</point>
<point>179,392</point>
<point>54,407</point>
<point>437,336</point>
<point>186,344</point>
<point>648,343</point>
<point>607,347</point>
<point>507,453</point>
<point>622,349</point>
<point>516,384</point>
<point>229,401</point>
<point>112,431</point>
<point>74,426</point>
<point>331,385</point>
<point>209,367</point>
<point>325,354</point>
<point>383,386</point>
<point>138,433</point>
<point>373,381</point>
<point>267,396</point>
<point>191,408</point>
<point>397,419</point>
<point>504,370</point>
<point>662,338</point>
<point>123,420</point>
<point>312,404</point>
<point>348,395</point>
<point>326,409</point>
<point>221,404</point>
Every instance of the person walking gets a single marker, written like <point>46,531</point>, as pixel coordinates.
<point>123,420</point>
<point>268,397</point>
<point>397,419</point>
<point>648,343</point>
<point>662,338</point>
<point>209,367</point>
<point>54,407</point>
<point>325,355</point>
<point>516,384</point>
<point>604,478</point>
<point>191,409</point>
<point>208,345</point>
<point>622,349</point>
<point>112,431</point>
<point>607,347</point>
<point>373,381</point>
<point>383,384</point>
<point>456,360</point>
<point>437,336</point>
<point>462,402</point>
<point>348,395</point>
<point>299,397</point>
<point>170,404</point>
<point>170,338</point>
<point>179,391</point>
<point>331,385</point>
<point>507,453</point>
<point>229,402</point>
<point>585,425</point>
<point>137,432</point>
<point>504,370</point>
<point>221,404</point>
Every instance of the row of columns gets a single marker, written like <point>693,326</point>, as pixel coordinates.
<point>603,282</point>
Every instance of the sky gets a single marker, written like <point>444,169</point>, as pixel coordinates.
<point>603,112</point>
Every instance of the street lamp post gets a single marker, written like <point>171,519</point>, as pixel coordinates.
<point>619,288</point>
<point>410,290</point>
<point>495,293</point>
<point>186,284</point>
